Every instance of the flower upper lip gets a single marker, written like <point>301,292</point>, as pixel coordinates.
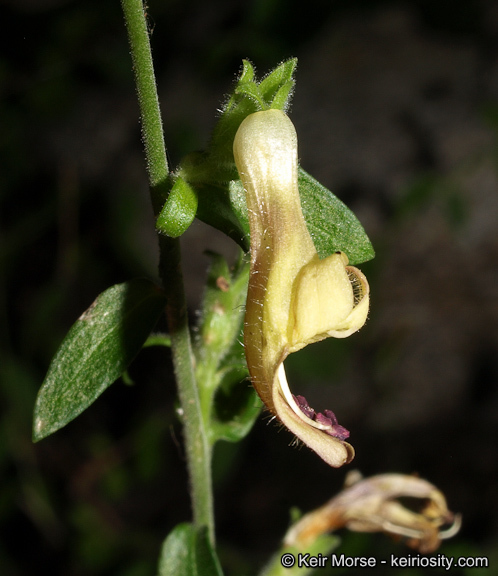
<point>294,298</point>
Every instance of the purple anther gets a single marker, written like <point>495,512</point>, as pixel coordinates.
<point>338,431</point>
<point>331,416</point>
<point>328,418</point>
<point>321,419</point>
<point>306,409</point>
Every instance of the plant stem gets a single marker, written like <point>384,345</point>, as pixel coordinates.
<point>152,129</point>
<point>197,446</point>
<point>196,440</point>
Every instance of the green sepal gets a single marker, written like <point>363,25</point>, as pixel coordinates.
<point>248,96</point>
<point>235,404</point>
<point>247,72</point>
<point>96,351</point>
<point>283,95</point>
<point>274,91</point>
<point>277,82</point>
<point>252,91</point>
<point>222,308</point>
<point>187,551</point>
<point>211,177</point>
<point>221,197</point>
<point>220,324</point>
<point>179,210</point>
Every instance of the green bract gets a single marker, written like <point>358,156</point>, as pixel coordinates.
<point>229,405</point>
<point>179,210</point>
<point>210,183</point>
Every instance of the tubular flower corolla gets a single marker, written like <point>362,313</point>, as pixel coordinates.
<point>294,297</point>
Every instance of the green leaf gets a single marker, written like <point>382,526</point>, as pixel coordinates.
<point>207,559</point>
<point>178,211</point>
<point>224,207</point>
<point>188,552</point>
<point>97,349</point>
<point>332,225</point>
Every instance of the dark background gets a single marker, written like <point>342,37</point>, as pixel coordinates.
<point>396,109</point>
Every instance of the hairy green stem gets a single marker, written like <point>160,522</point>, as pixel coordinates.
<point>196,439</point>
<point>197,446</point>
<point>152,129</point>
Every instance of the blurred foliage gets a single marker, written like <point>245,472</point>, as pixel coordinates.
<point>99,496</point>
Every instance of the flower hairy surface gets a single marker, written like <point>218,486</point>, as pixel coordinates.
<point>294,297</point>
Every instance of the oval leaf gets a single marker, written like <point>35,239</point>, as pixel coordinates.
<point>332,225</point>
<point>95,352</point>
<point>188,552</point>
<point>179,210</point>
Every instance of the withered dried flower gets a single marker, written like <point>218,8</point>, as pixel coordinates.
<point>373,505</point>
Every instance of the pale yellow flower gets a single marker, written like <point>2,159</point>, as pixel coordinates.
<point>294,298</point>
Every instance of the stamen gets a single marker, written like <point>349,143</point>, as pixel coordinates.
<point>328,419</point>
<point>305,407</point>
